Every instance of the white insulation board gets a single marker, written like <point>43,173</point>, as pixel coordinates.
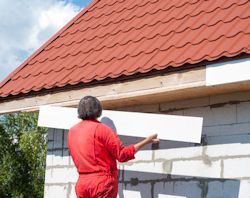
<point>228,72</point>
<point>168,127</point>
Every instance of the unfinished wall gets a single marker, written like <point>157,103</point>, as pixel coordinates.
<point>219,167</point>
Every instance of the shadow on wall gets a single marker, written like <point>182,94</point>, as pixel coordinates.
<point>107,121</point>
<point>152,185</point>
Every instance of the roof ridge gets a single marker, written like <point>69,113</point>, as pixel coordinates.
<point>51,39</point>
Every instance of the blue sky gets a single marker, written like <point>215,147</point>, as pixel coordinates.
<point>82,3</point>
<point>28,24</point>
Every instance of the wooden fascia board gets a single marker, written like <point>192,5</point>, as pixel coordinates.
<point>115,95</point>
<point>184,84</point>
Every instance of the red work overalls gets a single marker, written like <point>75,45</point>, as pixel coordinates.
<point>94,148</point>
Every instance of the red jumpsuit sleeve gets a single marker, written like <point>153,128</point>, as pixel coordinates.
<point>114,145</point>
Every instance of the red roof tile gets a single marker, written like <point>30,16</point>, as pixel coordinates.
<point>113,38</point>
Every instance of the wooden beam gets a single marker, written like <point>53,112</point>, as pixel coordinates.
<point>114,95</point>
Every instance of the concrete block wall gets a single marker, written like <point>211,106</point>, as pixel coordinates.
<point>61,175</point>
<point>218,167</point>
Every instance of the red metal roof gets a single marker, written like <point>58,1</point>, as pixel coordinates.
<point>113,38</point>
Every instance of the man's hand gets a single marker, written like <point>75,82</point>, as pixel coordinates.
<point>150,139</point>
<point>153,139</point>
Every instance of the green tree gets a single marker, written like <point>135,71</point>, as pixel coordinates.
<point>22,156</point>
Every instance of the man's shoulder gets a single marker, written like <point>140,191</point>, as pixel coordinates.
<point>103,126</point>
<point>105,129</point>
<point>76,126</point>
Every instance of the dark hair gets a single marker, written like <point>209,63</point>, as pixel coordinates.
<point>89,108</point>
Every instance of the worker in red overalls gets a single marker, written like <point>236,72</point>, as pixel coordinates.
<point>94,148</point>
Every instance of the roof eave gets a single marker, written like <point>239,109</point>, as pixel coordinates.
<point>184,84</point>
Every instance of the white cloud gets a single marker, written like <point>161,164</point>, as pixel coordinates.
<point>26,25</point>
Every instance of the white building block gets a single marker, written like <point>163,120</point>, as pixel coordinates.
<point>49,158</point>
<point>182,161</point>
<point>65,139</point>
<point>214,116</point>
<point>236,168</point>
<point>183,104</point>
<point>48,175</point>
<point>166,188</point>
<point>228,150</point>
<point>71,162</point>
<point>178,112</point>
<point>72,193</point>
<point>50,145</point>
<point>168,127</point>
<point>143,155</point>
<point>151,108</point>
<point>155,167</point>
<point>130,193</point>
<point>237,96</point>
<point>58,138</point>
<point>243,112</point>
<point>244,191</point>
<point>135,191</point>
<point>189,188</point>
<point>59,159</point>
<point>178,153</point>
<point>197,168</point>
<point>61,175</point>
<point>50,133</point>
<point>215,189</point>
<point>169,196</point>
<point>55,191</point>
<point>228,129</point>
<point>222,188</point>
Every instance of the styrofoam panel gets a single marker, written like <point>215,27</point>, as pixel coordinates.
<point>57,117</point>
<point>168,127</point>
<point>228,72</point>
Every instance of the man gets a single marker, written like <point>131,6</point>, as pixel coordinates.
<point>94,148</point>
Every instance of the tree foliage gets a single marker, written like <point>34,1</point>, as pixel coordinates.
<point>22,156</point>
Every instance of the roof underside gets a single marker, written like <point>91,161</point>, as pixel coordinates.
<point>113,38</point>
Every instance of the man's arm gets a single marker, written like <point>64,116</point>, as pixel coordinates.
<point>150,139</point>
